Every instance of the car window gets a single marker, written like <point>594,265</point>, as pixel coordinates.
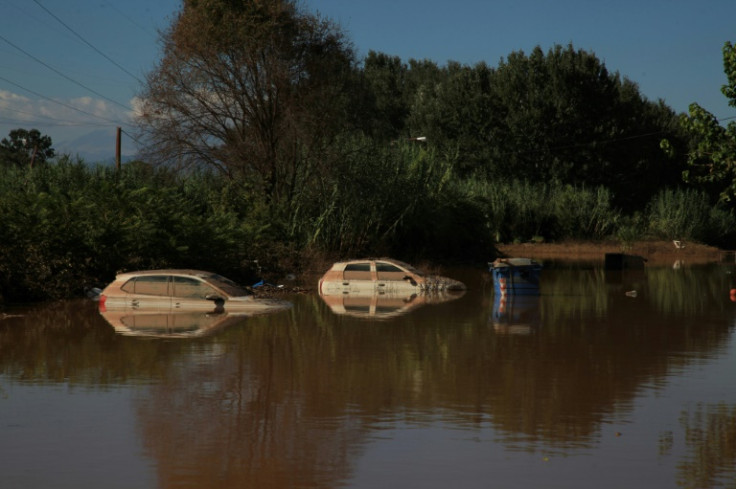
<point>192,288</point>
<point>148,285</point>
<point>389,271</point>
<point>357,271</point>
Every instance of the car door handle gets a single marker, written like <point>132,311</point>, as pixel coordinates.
<point>134,303</point>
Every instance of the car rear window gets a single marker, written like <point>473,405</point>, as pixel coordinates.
<point>357,271</point>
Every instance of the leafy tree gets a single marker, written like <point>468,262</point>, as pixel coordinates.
<point>254,89</point>
<point>555,116</point>
<point>25,148</point>
<point>459,114</point>
<point>385,84</point>
<point>712,152</point>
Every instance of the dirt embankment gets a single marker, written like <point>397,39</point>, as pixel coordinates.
<point>655,252</point>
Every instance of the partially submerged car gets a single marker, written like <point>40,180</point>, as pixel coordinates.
<point>183,290</point>
<point>381,275</point>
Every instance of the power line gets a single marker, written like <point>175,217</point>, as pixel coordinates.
<point>63,75</point>
<point>87,42</point>
<point>130,19</point>
<point>45,119</point>
<point>57,102</point>
<point>39,123</point>
<point>130,136</point>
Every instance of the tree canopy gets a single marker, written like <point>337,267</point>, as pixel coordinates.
<point>554,116</point>
<point>325,145</point>
<point>712,147</point>
<point>254,89</point>
<point>25,147</point>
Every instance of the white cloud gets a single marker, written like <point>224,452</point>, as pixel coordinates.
<point>60,118</point>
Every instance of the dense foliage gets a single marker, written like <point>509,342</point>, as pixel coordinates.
<point>272,143</point>
<point>67,225</point>
<point>25,148</point>
<point>711,150</point>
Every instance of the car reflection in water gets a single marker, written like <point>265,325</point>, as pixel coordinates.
<point>382,305</point>
<point>515,314</point>
<point>165,324</point>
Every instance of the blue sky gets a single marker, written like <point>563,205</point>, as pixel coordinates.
<point>70,67</point>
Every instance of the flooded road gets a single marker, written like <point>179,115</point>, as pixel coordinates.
<point>607,379</point>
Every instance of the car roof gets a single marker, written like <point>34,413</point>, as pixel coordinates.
<point>387,260</point>
<point>167,271</point>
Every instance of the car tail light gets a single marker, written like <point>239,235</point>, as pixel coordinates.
<point>101,305</point>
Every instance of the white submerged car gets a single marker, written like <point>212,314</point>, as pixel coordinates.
<point>183,291</point>
<point>381,275</point>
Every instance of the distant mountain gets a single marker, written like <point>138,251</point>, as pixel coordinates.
<point>97,147</point>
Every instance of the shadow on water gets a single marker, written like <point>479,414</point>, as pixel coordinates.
<point>301,397</point>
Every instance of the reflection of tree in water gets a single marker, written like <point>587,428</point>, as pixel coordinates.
<point>295,399</point>
<point>710,435</point>
<point>70,342</point>
<point>245,418</point>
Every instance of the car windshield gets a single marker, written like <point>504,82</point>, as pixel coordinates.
<point>226,285</point>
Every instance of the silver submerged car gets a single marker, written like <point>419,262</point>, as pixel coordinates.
<point>182,290</point>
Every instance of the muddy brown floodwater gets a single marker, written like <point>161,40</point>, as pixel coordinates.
<point>586,385</point>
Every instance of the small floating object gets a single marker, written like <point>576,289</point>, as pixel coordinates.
<point>631,293</point>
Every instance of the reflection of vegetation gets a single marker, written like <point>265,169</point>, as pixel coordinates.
<point>688,290</point>
<point>286,395</point>
<point>710,434</point>
<point>569,294</point>
<point>70,342</point>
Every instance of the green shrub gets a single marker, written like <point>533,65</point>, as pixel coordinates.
<point>519,211</point>
<point>687,215</point>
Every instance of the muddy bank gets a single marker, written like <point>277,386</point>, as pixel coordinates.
<point>655,252</point>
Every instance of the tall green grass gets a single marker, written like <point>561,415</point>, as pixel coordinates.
<point>519,211</point>
<point>401,199</point>
<point>688,215</point>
